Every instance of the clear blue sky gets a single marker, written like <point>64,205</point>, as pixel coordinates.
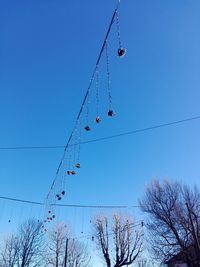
<point>47,53</point>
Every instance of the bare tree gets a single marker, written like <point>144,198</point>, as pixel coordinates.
<point>173,220</point>
<point>30,244</point>
<point>9,252</point>
<point>64,250</point>
<point>56,245</point>
<point>25,248</point>
<point>143,263</point>
<point>120,243</point>
<point>146,261</point>
<point>78,255</point>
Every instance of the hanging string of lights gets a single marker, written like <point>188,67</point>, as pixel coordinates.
<point>70,161</point>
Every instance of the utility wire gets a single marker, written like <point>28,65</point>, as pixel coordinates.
<point>132,226</point>
<point>21,200</point>
<point>69,205</point>
<point>154,127</point>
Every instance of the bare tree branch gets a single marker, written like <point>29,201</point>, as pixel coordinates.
<point>123,238</point>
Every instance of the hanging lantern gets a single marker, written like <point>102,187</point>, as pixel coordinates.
<point>121,52</point>
<point>78,165</point>
<point>87,128</point>
<point>111,113</point>
<point>98,119</point>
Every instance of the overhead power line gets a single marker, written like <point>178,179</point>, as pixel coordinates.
<point>150,128</point>
<point>69,205</point>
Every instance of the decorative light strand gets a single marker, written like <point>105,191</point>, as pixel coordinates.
<point>51,198</point>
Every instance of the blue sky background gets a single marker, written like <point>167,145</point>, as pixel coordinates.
<point>47,53</point>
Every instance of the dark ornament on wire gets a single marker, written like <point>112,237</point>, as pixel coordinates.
<point>53,216</point>
<point>59,198</point>
<point>73,172</point>
<point>121,52</point>
<point>68,172</point>
<point>63,192</point>
<point>87,128</point>
<point>78,165</point>
<point>111,113</point>
<point>98,119</point>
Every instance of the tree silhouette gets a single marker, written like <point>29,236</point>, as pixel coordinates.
<point>120,243</point>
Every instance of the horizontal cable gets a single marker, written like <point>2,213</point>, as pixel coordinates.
<point>162,125</point>
<point>68,205</point>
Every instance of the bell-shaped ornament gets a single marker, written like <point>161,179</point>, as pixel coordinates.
<point>111,113</point>
<point>98,119</point>
<point>87,128</point>
<point>121,52</point>
<point>78,165</point>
